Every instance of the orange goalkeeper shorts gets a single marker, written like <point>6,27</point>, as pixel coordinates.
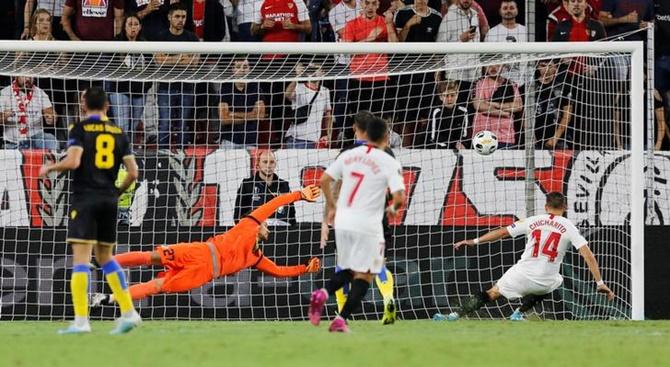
<point>189,266</point>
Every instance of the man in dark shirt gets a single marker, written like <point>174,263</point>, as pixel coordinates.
<point>626,16</point>
<point>553,107</point>
<point>96,149</point>
<point>448,124</point>
<point>662,48</point>
<point>175,100</point>
<point>262,187</point>
<point>240,109</point>
<point>154,16</point>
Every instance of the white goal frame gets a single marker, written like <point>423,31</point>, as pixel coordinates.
<point>635,49</point>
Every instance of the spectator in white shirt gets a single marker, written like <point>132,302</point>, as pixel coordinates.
<point>510,31</point>
<point>461,24</point>
<point>310,102</point>
<point>23,106</point>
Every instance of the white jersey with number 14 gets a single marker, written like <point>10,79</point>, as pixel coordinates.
<point>549,237</point>
<point>366,172</point>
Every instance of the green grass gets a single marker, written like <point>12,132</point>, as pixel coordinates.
<point>408,343</point>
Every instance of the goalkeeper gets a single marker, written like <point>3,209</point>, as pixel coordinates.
<point>191,265</point>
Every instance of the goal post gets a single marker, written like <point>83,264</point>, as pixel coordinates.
<point>189,191</point>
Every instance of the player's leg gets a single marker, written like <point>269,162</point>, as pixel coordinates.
<point>384,281</point>
<point>116,278</point>
<point>320,296</point>
<point>138,258</point>
<point>364,255</point>
<point>527,303</point>
<point>359,288</point>
<point>79,282</point>
<point>342,293</point>
<point>81,235</point>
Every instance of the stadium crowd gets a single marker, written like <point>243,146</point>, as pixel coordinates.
<point>579,102</point>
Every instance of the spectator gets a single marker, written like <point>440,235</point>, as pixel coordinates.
<point>579,27</point>
<point>625,17</point>
<point>127,97</point>
<point>175,100</point>
<point>24,107</point>
<point>559,13</point>
<point>593,120</point>
<point>662,49</point>
<point>371,93</point>
<point>338,17</point>
<point>41,26</point>
<point>262,187</point>
<point>508,30</point>
<point>495,101</point>
<point>417,23</point>
<point>310,102</point>
<point>281,21</point>
<point>553,107</point>
<point>54,8</point>
<point>240,109</point>
<point>206,19</point>
<point>448,121</point>
<point>246,11</point>
<point>93,20</point>
<point>153,14</point>
<point>481,15</point>
<point>461,24</point>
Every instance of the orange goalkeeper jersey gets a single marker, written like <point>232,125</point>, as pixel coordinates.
<point>237,247</point>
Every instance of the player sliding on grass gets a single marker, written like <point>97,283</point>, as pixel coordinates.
<point>191,265</point>
<point>536,275</point>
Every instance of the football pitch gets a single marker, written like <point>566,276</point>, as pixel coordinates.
<point>407,343</point>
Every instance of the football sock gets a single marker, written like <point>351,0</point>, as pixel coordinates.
<point>474,303</point>
<point>134,258</point>
<point>384,281</point>
<point>359,288</point>
<point>338,280</point>
<point>529,302</point>
<point>81,274</point>
<point>143,290</point>
<point>117,282</point>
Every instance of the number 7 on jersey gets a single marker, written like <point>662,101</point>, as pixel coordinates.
<point>359,179</point>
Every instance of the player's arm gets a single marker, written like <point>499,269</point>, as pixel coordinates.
<point>71,161</point>
<point>592,263</point>
<point>329,195</point>
<point>491,236</point>
<point>309,193</point>
<point>133,173</point>
<point>268,267</point>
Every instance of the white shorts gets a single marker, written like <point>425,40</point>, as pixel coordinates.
<point>359,252</point>
<point>516,283</point>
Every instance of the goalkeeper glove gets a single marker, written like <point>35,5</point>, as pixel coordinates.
<point>313,265</point>
<point>310,193</point>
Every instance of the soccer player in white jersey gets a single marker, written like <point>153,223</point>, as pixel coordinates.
<point>366,172</point>
<point>536,274</point>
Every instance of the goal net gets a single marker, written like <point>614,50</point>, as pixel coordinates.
<point>215,126</point>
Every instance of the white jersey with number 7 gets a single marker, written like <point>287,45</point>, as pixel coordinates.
<point>366,172</point>
<point>549,237</point>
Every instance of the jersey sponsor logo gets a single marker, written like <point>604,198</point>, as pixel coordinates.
<point>94,8</point>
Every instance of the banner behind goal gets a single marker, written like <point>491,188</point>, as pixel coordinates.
<point>201,117</point>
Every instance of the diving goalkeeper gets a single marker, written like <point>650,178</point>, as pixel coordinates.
<point>191,265</point>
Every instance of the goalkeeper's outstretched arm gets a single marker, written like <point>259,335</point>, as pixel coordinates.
<point>268,267</point>
<point>309,193</point>
<point>494,235</point>
<point>592,263</point>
